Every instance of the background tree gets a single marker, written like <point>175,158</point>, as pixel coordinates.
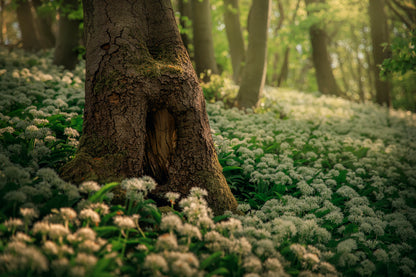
<point>68,36</point>
<point>254,71</point>
<point>26,21</point>
<point>185,22</point>
<point>234,37</point>
<point>44,20</point>
<point>144,109</point>
<point>320,56</point>
<point>380,38</point>
<point>204,54</point>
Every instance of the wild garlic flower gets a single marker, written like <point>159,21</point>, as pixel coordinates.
<point>156,262</point>
<point>8,129</point>
<point>19,236</point>
<point>252,264</point>
<point>167,242</point>
<point>89,246</point>
<point>89,186</point>
<point>51,248</point>
<point>70,132</point>
<point>198,192</point>
<point>90,216</point>
<point>102,208</point>
<point>133,184</point>
<point>124,222</point>
<point>190,231</point>
<point>85,233</point>
<point>86,260</point>
<point>170,223</point>
<point>172,197</point>
<point>58,231</point>
<point>13,223</point>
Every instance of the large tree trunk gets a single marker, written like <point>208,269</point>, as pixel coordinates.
<point>234,36</point>
<point>27,25</point>
<point>320,57</point>
<point>379,36</point>
<point>185,20</point>
<point>204,55</point>
<point>44,26</point>
<point>68,37</point>
<point>144,109</point>
<point>254,72</point>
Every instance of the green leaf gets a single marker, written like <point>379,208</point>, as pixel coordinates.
<point>98,196</point>
<point>218,271</point>
<point>210,260</point>
<point>229,168</point>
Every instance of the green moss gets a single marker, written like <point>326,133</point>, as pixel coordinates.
<point>96,160</point>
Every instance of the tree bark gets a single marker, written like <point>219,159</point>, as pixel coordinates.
<point>379,36</point>
<point>68,37</point>
<point>254,72</point>
<point>320,57</point>
<point>44,26</point>
<point>204,54</point>
<point>144,109</point>
<point>27,25</point>
<point>234,36</point>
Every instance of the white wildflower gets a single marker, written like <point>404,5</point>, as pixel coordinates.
<point>124,222</point>
<point>89,186</point>
<point>156,262</point>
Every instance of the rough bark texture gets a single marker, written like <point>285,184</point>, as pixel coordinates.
<point>235,37</point>
<point>204,55</point>
<point>320,57</point>
<point>27,25</point>
<point>379,36</point>
<point>68,37</point>
<point>44,26</point>
<point>144,109</point>
<point>254,72</point>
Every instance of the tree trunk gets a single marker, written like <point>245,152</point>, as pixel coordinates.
<point>185,21</point>
<point>379,36</point>
<point>234,36</point>
<point>144,109</point>
<point>203,42</point>
<point>320,57</point>
<point>44,26</point>
<point>284,70</point>
<point>254,72</point>
<point>68,37</point>
<point>27,25</point>
<point>1,21</point>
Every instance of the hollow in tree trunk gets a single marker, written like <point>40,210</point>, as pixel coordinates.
<point>254,72</point>
<point>144,109</point>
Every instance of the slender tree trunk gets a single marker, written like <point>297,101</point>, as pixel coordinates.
<point>185,21</point>
<point>320,56</point>
<point>44,26</point>
<point>27,25</point>
<point>284,70</point>
<point>1,21</point>
<point>254,72</point>
<point>144,109</point>
<point>379,36</point>
<point>68,37</point>
<point>370,74</point>
<point>343,73</point>
<point>204,54</point>
<point>234,36</point>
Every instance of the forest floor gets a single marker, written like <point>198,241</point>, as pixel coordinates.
<point>326,186</point>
